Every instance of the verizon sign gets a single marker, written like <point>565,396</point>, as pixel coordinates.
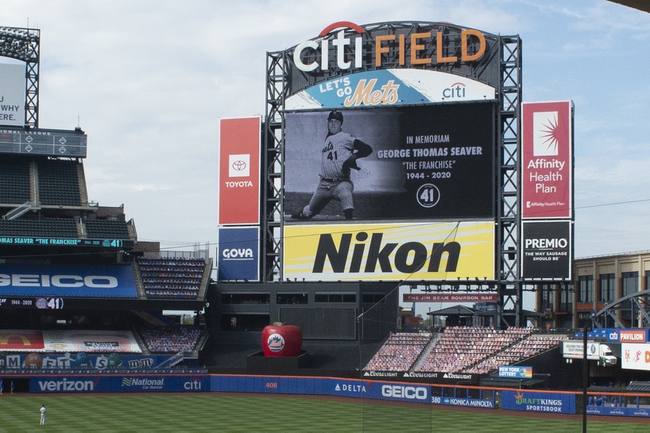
<point>440,297</point>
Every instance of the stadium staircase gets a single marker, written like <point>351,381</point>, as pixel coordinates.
<point>141,342</point>
<point>151,318</point>
<point>135,268</point>
<point>20,211</point>
<point>171,361</point>
<point>425,352</point>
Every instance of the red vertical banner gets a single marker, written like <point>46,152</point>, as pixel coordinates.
<point>239,170</point>
<point>547,161</point>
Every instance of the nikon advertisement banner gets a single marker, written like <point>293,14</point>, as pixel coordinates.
<point>373,252</point>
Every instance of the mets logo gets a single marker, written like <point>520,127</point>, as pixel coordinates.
<point>275,342</point>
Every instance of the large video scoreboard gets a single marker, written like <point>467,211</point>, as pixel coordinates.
<point>428,100</point>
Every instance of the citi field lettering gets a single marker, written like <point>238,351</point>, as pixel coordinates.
<point>406,258</point>
<point>409,50</point>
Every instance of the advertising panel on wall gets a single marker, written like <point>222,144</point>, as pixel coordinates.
<point>239,253</point>
<point>390,87</point>
<point>547,160</point>
<point>67,280</point>
<point>424,162</point>
<point>390,251</point>
<point>37,141</point>
<point>239,171</point>
<point>12,94</point>
<point>68,341</point>
<point>547,249</point>
<point>635,356</point>
<point>538,401</point>
<point>119,383</point>
<point>449,297</point>
<point>80,362</point>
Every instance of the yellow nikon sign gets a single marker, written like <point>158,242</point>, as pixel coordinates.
<point>417,251</point>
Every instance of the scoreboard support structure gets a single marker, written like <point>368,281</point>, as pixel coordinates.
<point>508,280</point>
<point>24,44</point>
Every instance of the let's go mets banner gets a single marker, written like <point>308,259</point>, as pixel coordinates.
<point>419,251</point>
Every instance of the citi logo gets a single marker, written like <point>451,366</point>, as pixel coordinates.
<point>455,91</point>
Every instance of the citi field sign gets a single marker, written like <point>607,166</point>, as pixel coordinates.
<point>417,50</point>
<point>349,65</point>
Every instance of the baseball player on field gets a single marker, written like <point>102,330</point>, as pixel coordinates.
<point>339,155</point>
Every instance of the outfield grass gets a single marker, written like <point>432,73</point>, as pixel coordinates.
<point>229,413</point>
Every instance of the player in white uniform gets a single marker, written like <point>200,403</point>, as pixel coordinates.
<point>339,155</point>
<point>43,411</point>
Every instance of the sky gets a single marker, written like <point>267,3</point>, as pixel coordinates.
<point>149,80</point>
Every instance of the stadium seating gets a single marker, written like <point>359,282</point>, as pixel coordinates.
<point>399,352</point>
<point>171,277</point>
<point>106,229</point>
<point>14,180</point>
<point>171,339</point>
<point>45,227</point>
<point>58,183</point>
<point>461,349</point>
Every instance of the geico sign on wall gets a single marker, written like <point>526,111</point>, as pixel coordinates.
<point>67,280</point>
<point>422,251</point>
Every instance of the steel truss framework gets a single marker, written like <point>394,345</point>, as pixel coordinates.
<point>24,44</point>
<point>509,92</point>
<point>637,306</point>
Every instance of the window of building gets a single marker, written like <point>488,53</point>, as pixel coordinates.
<point>292,298</point>
<point>586,288</point>
<point>548,296</point>
<point>373,298</point>
<point>335,297</point>
<point>607,287</point>
<point>630,281</point>
<point>566,298</point>
<point>245,298</point>
<point>244,322</point>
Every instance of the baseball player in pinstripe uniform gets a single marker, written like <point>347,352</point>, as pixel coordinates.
<point>339,155</point>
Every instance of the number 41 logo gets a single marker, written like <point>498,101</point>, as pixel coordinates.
<point>428,195</point>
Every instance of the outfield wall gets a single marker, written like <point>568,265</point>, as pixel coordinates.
<point>614,404</point>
